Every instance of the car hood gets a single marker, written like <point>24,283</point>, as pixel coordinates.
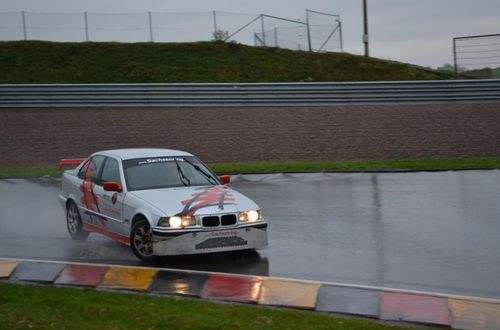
<point>196,200</point>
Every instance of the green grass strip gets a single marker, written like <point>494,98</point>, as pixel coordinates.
<point>24,306</point>
<point>379,165</point>
<point>13,172</point>
<point>271,167</point>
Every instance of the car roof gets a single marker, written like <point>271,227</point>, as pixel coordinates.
<point>132,153</point>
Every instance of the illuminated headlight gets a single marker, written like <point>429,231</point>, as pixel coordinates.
<point>177,222</point>
<point>250,216</point>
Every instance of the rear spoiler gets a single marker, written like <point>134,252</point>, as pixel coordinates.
<point>70,162</point>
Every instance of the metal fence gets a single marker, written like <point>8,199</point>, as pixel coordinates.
<point>319,32</point>
<point>477,53</point>
<point>217,95</point>
<point>308,34</point>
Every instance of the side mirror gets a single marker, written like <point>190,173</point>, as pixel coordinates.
<point>112,186</point>
<point>225,179</point>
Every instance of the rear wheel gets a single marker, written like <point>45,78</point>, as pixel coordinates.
<point>141,240</point>
<point>74,223</point>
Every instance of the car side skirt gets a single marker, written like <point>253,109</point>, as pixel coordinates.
<point>117,237</point>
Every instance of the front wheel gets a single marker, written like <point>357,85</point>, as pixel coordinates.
<point>74,223</point>
<point>141,240</point>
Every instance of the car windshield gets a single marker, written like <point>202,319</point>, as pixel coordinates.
<point>166,172</point>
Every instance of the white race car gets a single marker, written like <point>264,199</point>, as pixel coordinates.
<point>160,202</point>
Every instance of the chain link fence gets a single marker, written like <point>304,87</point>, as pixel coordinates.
<point>313,33</point>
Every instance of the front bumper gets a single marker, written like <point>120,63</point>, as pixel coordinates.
<point>208,241</point>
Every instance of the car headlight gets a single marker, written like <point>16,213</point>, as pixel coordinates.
<point>177,222</point>
<point>250,216</point>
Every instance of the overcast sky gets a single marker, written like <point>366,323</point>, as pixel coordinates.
<point>418,32</point>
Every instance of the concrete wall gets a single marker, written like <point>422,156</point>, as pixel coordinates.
<point>40,137</point>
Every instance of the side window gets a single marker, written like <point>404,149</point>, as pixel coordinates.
<point>111,171</point>
<point>92,168</point>
<point>83,169</point>
<point>95,166</point>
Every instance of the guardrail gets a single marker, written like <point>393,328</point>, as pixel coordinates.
<point>247,94</point>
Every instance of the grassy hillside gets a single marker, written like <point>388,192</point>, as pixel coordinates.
<point>50,62</point>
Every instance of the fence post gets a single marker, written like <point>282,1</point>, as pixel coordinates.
<point>341,39</point>
<point>214,14</point>
<point>23,17</point>
<point>365,29</point>
<point>455,66</point>
<point>86,22</point>
<point>263,31</point>
<point>150,19</point>
<point>309,44</point>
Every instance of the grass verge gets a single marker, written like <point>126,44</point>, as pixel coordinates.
<point>352,166</point>
<point>196,62</point>
<point>24,306</point>
<point>13,172</point>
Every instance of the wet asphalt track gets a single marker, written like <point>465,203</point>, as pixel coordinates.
<point>434,231</point>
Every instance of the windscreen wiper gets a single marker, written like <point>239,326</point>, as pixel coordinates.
<point>210,178</point>
<point>182,176</point>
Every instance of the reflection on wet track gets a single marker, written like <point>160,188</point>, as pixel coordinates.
<point>434,231</point>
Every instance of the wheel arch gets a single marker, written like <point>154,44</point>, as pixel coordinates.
<point>70,200</point>
<point>137,217</point>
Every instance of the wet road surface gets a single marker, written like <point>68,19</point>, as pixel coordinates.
<point>432,231</point>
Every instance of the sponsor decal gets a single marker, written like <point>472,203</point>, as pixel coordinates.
<point>221,242</point>
<point>160,160</point>
<point>222,233</point>
<point>217,196</point>
<point>88,199</point>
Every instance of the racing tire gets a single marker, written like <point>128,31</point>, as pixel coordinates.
<point>74,223</point>
<point>141,241</point>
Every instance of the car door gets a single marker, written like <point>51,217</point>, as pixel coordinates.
<point>88,204</point>
<point>110,203</point>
